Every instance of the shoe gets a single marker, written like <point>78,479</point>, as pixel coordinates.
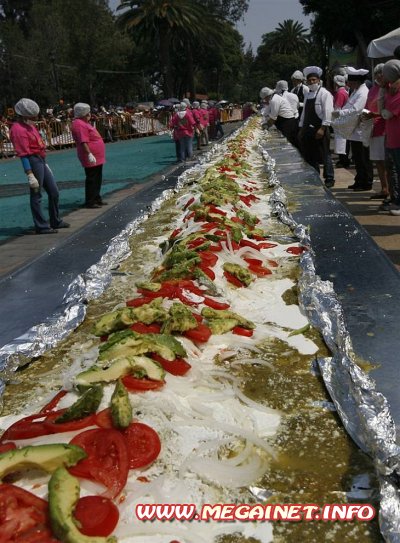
<point>378,196</point>
<point>330,183</point>
<point>102,203</point>
<point>47,231</point>
<point>340,164</point>
<point>362,188</point>
<point>93,206</point>
<point>387,205</point>
<point>63,224</point>
<point>395,212</point>
<point>353,186</point>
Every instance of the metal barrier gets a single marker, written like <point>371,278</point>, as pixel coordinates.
<point>119,126</point>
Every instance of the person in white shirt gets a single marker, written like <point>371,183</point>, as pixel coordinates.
<point>299,89</point>
<point>356,103</point>
<point>278,112</point>
<point>281,88</point>
<point>314,136</point>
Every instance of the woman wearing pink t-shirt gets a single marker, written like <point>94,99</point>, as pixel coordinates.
<point>91,153</point>
<point>377,141</point>
<point>183,125</point>
<point>340,97</point>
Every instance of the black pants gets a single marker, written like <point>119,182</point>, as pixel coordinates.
<point>94,178</point>
<point>289,128</point>
<point>317,152</point>
<point>364,172</point>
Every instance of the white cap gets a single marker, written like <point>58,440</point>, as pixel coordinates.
<point>297,75</point>
<point>81,109</point>
<point>183,106</point>
<point>27,108</point>
<point>281,86</point>
<point>312,70</point>
<point>340,80</point>
<point>196,104</point>
<point>265,92</point>
<point>352,71</point>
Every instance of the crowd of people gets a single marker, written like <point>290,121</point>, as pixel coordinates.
<point>363,115</point>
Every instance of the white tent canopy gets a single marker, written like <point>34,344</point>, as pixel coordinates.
<point>384,46</point>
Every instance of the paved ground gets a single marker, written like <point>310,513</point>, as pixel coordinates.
<point>381,226</point>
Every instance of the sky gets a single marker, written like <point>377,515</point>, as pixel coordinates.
<point>262,16</point>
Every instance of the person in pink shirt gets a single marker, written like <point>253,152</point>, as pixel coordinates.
<point>391,113</point>
<point>31,149</point>
<point>377,141</point>
<point>91,153</point>
<point>204,121</point>
<point>198,128</point>
<point>340,97</point>
<point>183,124</point>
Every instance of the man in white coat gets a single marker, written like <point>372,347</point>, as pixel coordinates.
<point>279,112</point>
<point>314,135</point>
<point>355,104</point>
<point>282,88</point>
<point>299,89</point>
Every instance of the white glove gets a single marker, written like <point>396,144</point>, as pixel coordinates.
<point>33,182</point>
<point>91,158</point>
<point>386,114</point>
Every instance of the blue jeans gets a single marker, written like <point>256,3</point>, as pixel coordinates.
<point>186,147</point>
<point>46,180</point>
<point>395,154</point>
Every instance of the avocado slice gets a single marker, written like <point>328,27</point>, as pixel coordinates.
<point>180,319</point>
<point>120,406</point>
<point>64,493</point>
<point>116,320</point>
<point>47,457</point>
<point>87,404</point>
<point>238,271</point>
<point>119,368</point>
<point>215,314</point>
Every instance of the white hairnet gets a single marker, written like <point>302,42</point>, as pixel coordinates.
<point>183,106</point>
<point>312,70</point>
<point>196,104</point>
<point>204,105</point>
<point>340,80</point>
<point>391,70</point>
<point>265,92</point>
<point>26,108</point>
<point>298,75</point>
<point>81,109</point>
<point>281,86</point>
<point>187,101</point>
<point>379,68</point>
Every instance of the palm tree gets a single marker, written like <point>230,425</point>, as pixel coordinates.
<point>159,21</point>
<point>289,37</point>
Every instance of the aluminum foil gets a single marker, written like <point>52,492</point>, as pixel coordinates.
<point>364,411</point>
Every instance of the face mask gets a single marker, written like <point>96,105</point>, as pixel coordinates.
<point>313,87</point>
<point>31,122</point>
<point>181,114</point>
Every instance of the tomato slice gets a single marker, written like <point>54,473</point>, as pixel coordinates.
<point>56,428</point>
<point>198,318</point>
<point>208,258</point>
<point>7,447</point>
<point>144,445</point>
<point>207,226</point>
<point>259,270</point>
<point>97,516</point>
<point>208,271</point>
<point>248,243</point>
<point>296,250</point>
<point>133,384</point>
<point>175,232</point>
<point>138,302</point>
<point>273,263</point>
<point>107,461</point>
<point>31,426</point>
<point>240,331</point>
<point>200,334</point>
<point>255,261</point>
<point>103,418</point>
<point>196,243</point>
<point>23,516</point>
<point>188,203</point>
<point>141,328</point>
<point>53,402</point>
<point>215,248</point>
<point>179,366</point>
<point>214,304</point>
<point>233,280</point>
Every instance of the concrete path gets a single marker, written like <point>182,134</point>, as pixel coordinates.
<point>380,225</point>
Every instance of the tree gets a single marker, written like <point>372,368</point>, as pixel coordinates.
<point>347,22</point>
<point>229,10</point>
<point>158,21</point>
<point>290,37</point>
